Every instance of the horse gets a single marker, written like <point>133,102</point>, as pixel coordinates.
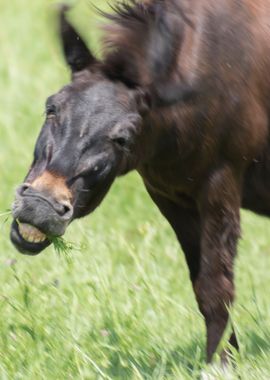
<point>181,94</point>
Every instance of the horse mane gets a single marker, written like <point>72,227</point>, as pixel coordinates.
<point>142,41</point>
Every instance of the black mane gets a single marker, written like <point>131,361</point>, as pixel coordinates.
<point>142,41</point>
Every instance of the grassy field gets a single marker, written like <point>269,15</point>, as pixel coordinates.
<point>122,306</point>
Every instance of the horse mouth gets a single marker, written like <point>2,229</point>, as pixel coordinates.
<point>30,233</point>
<point>28,239</point>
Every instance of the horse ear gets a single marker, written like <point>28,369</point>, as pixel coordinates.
<point>77,55</point>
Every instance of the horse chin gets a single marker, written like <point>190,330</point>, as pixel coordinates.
<point>30,246</point>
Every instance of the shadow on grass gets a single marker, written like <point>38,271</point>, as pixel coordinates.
<point>157,364</point>
<point>188,358</point>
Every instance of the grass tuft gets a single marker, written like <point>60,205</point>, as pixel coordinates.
<point>6,213</point>
<point>63,247</point>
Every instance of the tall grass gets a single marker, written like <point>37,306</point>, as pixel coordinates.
<point>122,307</point>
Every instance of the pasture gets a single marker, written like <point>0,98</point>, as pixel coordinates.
<point>121,305</point>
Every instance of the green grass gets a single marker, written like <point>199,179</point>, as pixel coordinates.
<point>121,307</point>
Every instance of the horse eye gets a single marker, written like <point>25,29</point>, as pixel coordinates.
<point>120,141</point>
<point>51,111</point>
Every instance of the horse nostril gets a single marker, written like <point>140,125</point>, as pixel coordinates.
<point>23,188</point>
<point>65,209</point>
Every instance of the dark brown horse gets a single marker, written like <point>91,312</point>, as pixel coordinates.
<point>182,96</point>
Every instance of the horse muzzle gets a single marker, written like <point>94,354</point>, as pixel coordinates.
<point>38,217</point>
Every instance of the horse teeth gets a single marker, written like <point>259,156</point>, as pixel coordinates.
<point>31,233</point>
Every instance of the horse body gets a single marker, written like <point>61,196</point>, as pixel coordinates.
<point>182,97</point>
<point>226,57</point>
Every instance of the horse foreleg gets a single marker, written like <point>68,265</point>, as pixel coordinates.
<point>220,230</point>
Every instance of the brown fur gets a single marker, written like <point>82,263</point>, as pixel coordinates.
<point>212,151</point>
<point>55,184</point>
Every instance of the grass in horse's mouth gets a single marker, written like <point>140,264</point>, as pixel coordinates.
<point>34,235</point>
<point>61,246</point>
